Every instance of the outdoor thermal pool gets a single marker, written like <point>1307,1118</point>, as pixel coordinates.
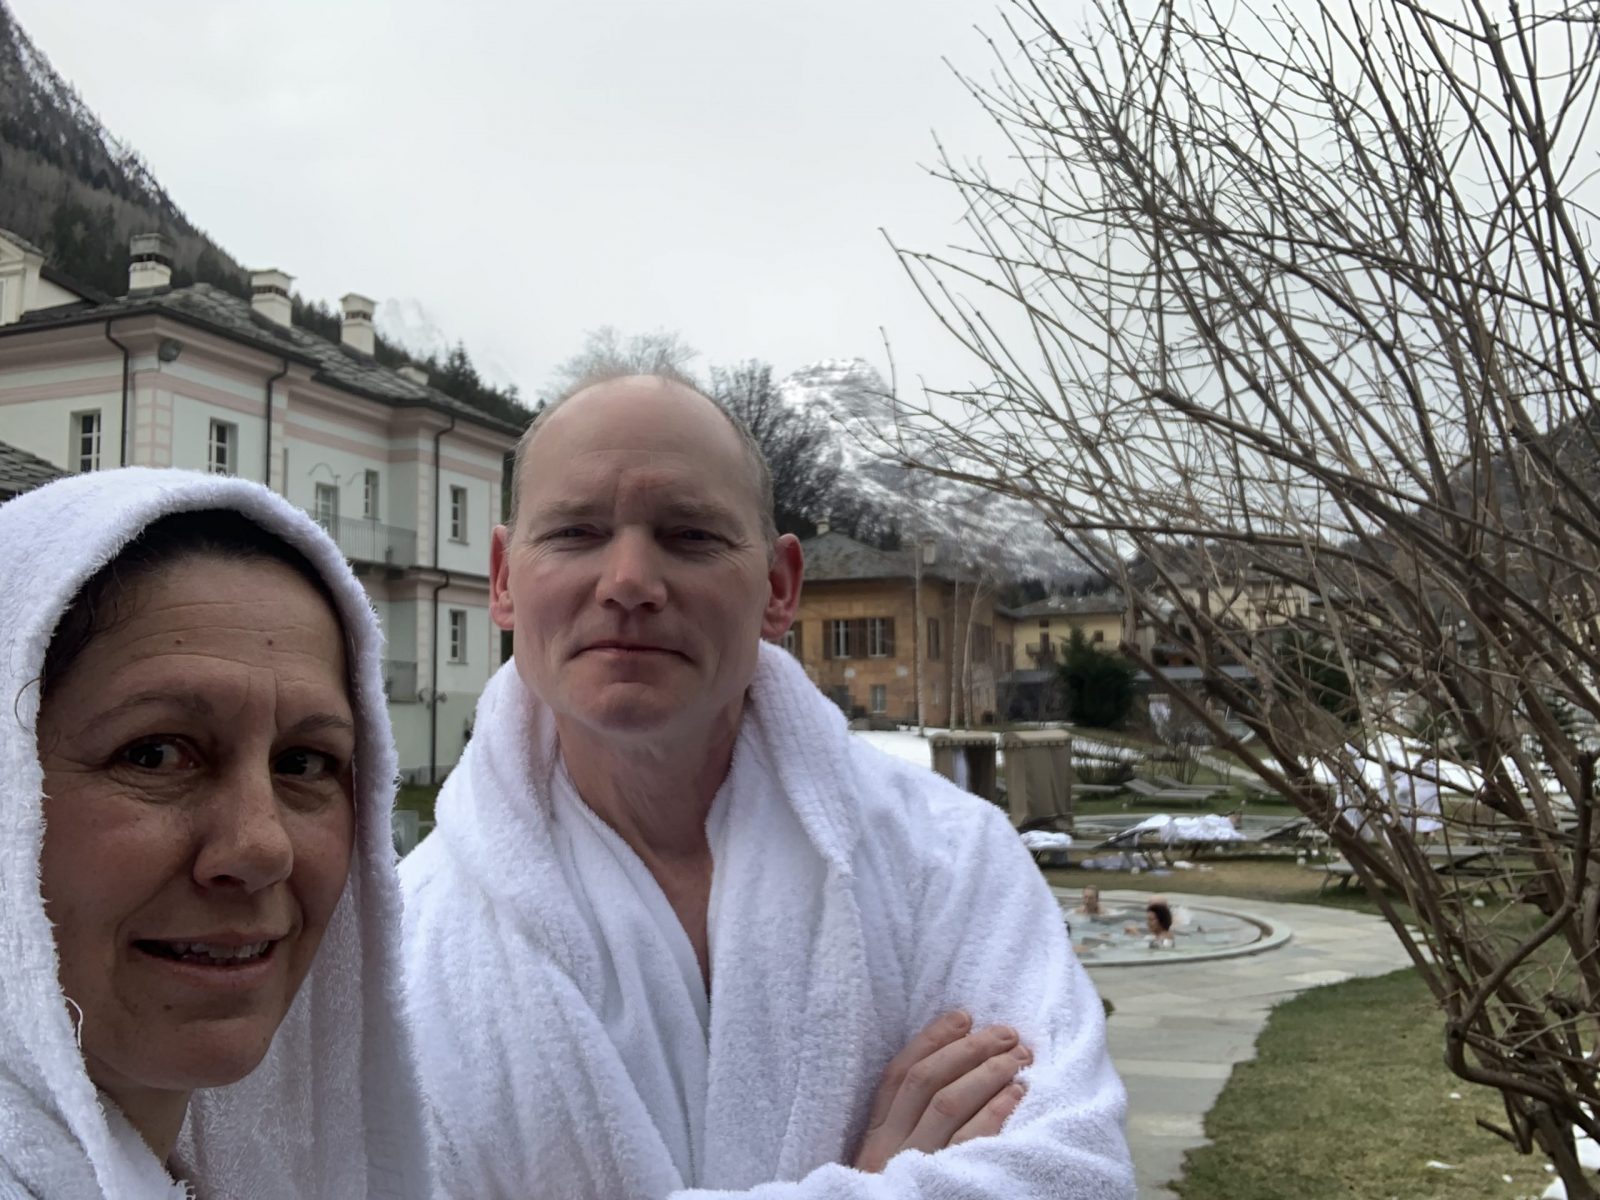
<point>1199,932</point>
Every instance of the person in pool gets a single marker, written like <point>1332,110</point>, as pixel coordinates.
<point>200,994</point>
<point>1089,906</point>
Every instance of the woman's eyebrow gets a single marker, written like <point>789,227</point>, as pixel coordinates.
<point>319,723</point>
<point>191,703</point>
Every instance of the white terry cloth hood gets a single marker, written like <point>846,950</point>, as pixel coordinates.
<point>334,1110</point>
<point>856,897</point>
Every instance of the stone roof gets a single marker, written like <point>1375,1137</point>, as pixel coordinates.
<point>223,313</point>
<point>21,471</point>
<point>833,557</point>
<point>21,242</point>
<point>1106,602</point>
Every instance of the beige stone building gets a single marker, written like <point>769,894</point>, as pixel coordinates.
<point>1041,630</point>
<point>863,631</point>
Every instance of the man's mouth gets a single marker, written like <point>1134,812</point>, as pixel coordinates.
<point>630,648</point>
<point>210,954</point>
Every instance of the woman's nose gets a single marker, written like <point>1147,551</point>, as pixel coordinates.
<point>243,840</point>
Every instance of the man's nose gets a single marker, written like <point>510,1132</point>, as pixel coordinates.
<point>244,843</point>
<point>631,576</point>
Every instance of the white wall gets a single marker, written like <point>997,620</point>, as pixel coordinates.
<point>191,436</point>
<point>32,420</point>
<point>471,553</point>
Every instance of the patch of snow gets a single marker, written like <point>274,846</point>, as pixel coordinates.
<point>901,743</point>
<point>1043,839</point>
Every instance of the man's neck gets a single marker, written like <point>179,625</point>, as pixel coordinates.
<point>656,795</point>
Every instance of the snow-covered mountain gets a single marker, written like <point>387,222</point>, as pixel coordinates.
<point>974,526</point>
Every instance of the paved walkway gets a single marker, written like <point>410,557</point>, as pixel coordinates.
<point>1178,1029</point>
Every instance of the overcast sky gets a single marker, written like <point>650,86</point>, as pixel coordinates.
<point>529,171</point>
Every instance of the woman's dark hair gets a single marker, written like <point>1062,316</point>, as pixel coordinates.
<point>1163,914</point>
<point>207,533</point>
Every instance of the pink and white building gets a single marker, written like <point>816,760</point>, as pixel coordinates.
<point>406,478</point>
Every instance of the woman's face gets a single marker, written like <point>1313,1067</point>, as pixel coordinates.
<point>1153,923</point>
<point>198,818</point>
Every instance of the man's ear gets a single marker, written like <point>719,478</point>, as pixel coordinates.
<point>783,578</point>
<point>501,608</point>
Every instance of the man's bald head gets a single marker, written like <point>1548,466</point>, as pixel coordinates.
<point>760,474</point>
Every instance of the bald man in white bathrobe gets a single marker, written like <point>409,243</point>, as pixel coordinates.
<point>677,934</point>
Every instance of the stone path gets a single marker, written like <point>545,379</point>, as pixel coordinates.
<point>1178,1029</point>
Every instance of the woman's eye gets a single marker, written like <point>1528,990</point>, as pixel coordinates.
<point>306,765</point>
<point>157,754</point>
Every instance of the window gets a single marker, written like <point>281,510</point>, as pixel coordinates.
<point>458,514</point>
<point>1099,636</point>
<point>369,496</point>
<point>86,441</point>
<point>223,452</point>
<point>325,510</point>
<point>880,698</point>
<point>880,637</point>
<point>791,640</point>
<point>837,641</point>
<point>458,635</point>
<point>983,645</point>
<point>933,639</point>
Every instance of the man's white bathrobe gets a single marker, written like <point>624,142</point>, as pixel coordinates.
<point>855,897</point>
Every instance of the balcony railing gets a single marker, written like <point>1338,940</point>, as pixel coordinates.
<point>371,541</point>
<point>400,681</point>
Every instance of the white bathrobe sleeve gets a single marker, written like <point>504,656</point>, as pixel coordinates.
<point>987,937</point>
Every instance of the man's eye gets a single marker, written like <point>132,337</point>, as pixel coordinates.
<point>694,535</point>
<point>157,754</point>
<point>306,765</point>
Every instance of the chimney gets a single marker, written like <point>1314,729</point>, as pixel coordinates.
<point>149,263</point>
<point>822,528</point>
<point>269,295</point>
<point>415,374</point>
<point>355,323</point>
<point>930,552</point>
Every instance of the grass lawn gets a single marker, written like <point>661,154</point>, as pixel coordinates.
<point>1348,1097</point>
<point>418,797</point>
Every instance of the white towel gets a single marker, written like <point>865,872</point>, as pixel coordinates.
<point>857,898</point>
<point>334,1110</point>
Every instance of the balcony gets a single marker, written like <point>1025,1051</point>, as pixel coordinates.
<point>366,541</point>
<point>1043,656</point>
<point>399,681</point>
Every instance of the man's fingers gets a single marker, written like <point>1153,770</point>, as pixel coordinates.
<point>992,1116</point>
<point>940,1071</point>
<point>937,1034</point>
<point>962,1099</point>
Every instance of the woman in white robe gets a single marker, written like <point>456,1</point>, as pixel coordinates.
<point>323,1104</point>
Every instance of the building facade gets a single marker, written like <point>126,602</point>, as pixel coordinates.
<point>1043,629</point>
<point>869,618</point>
<point>407,479</point>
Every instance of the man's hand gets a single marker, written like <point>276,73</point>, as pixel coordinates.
<point>948,1086</point>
